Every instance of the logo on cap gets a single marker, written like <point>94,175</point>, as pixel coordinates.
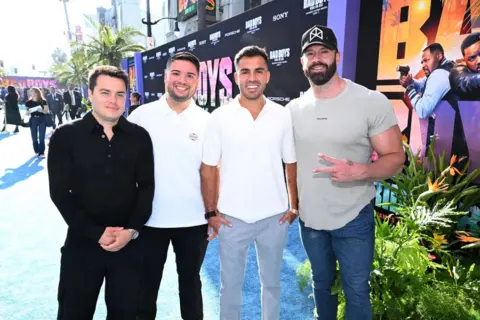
<point>316,33</point>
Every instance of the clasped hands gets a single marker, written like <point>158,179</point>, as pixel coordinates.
<point>114,238</point>
<point>341,170</point>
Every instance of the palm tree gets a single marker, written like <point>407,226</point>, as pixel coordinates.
<point>76,69</point>
<point>110,48</point>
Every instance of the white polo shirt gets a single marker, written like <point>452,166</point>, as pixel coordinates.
<point>252,183</point>
<point>177,145</point>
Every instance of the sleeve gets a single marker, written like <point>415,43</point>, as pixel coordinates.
<point>145,177</point>
<point>212,143</point>
<point>382,117</point>
<point>288,147</point>
<point>60,175</point>
<point>464,81</point>
<point>419,84</point>
<point>437,87</point>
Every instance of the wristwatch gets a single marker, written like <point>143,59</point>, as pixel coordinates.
<point>210,214</point>
<point>134,233</point>
<point>294,211</point>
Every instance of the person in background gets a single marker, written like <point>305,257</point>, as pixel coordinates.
<point>12,113</point>
<point>73,101</point>
<point>135,101</point>
<point>103,186</point>
<point>55,103</point>
<point>37,108</point>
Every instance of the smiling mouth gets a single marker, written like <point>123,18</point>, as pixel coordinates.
<point>181,88</point>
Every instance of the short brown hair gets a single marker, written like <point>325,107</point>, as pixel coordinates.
<point>110,71</point>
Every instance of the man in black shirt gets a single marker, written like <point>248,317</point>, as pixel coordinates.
<point>103,186</point>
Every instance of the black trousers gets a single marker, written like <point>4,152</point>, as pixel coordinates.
<point>57,114</point>
<point>83,269</point>
<point>189,245</point>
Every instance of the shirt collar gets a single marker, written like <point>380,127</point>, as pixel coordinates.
<point>165,108</point>
<point>92,124</point>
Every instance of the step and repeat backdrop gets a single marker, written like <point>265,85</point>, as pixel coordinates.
<point>276,26</point>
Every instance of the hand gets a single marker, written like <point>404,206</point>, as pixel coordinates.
<point>407,80</point>
<point>342,170</point>
<point>289,216</point>
<point>214,224</point>
<point>122,237</point>
<point>108,236</point>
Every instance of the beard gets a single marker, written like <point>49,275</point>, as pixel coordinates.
<point>320,78</point>
<point>179,98</point>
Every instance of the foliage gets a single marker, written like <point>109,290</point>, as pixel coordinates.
<point>417,272</point>
<point>3,72</point>
<point>110,48</point>
<point>76,69</point>
<point>59,57</point>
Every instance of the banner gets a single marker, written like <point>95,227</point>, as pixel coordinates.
<point>400,34</point>
<point>266,26</point>
<point>132,75</point>
<point>24,82</point>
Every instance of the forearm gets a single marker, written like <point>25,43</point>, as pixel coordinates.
<point>291,174</point>
<point>209,187</point>
<point>385,167</point>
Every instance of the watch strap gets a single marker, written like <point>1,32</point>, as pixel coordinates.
<point>210,214</point>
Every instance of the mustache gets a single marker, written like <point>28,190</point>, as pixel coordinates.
<point>253,84</point>
<point>316,64</point>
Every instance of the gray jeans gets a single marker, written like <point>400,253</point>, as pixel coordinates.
<point>269,237</point>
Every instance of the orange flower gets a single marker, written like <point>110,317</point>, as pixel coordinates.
<point>437,185</point>
<point>467,237</point>
<point>452,170</point>
<point>404,138</point>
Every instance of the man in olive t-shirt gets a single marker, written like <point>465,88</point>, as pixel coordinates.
<point>337,126</point>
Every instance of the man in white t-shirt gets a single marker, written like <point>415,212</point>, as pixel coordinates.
<point>251,137</point>
<point>337,125</point>
<point>176,125</point>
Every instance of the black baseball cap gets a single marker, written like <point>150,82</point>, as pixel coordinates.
<point>319,35</point>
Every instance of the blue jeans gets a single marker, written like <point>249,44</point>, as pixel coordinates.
<point>352,245</point>
<point>38,127</point>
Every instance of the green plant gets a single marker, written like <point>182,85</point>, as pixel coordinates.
<point>431,179</point>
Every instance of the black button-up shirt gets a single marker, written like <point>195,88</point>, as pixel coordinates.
<point>97,183</point>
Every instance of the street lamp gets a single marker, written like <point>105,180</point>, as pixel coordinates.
<point>149,24</point>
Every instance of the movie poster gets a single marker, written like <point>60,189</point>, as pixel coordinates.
<point>440,90</point>
<point>442,97</point>
<point>132,75</point>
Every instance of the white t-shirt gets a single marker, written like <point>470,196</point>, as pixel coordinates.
<point>252,182</point>
<point>177,145</point>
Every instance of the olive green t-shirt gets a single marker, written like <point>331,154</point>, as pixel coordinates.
<point>340,127</point>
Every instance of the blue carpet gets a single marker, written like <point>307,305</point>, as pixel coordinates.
<point>32,232</point>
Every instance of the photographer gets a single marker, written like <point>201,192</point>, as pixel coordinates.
<point>465,76</point>
<point>426,93</point>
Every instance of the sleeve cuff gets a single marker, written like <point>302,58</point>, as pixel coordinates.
<point>411,91</point>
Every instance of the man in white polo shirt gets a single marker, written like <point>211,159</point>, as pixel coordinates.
<point>251,137</point>
<point>176,125</point>
<point>337,125</point>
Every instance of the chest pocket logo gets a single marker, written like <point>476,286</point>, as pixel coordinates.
<point>193,136</point>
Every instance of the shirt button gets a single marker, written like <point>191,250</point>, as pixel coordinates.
<point>109,155</point>
<point>103,136</point>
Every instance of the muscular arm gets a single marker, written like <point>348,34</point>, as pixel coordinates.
<point>388,146</point>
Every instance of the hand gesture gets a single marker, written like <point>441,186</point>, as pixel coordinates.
<point>122,237</point>
<point>214,224</point>
<point>289,216</point>
<point>407,80</point>
<point>342,170</point>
